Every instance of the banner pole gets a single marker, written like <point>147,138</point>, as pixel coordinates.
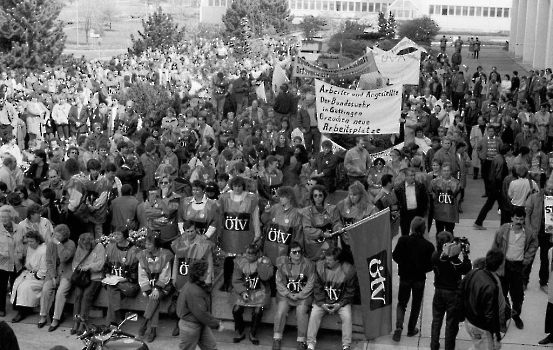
<point>361,222</point>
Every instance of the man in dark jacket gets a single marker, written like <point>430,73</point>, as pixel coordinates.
<point>333,293</point>
<point>448,271</point>
<point>413,255</point>
<point>325,167</point>
<point>498,171</point>
<point>480,294</point>
<point>412,200</point>
<point>283,105</point>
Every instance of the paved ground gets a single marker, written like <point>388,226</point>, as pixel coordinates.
<point>533,311</point>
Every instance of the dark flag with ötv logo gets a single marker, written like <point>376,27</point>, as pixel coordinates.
<point>371,244</point>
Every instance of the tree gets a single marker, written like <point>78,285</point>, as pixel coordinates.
<point>419,29</point>
<point>391,26</point>
<point>348,40</point>
<point>264,16</point>
<point>160,33</point>
<point>311,25</point>
<point>150,101</point>
<point>30,35</point>
<point>382,24</point>
<point>108,12</point>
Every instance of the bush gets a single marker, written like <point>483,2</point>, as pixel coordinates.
<point>419,29</point>
<point>150,101</point>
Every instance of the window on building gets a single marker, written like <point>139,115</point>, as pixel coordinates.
<point>492,11</point>
<point>506,12</point>
<point>292,4</point>
<point>364,6</point>
<point>357,6</point>
<point>471,11</point>
<point>377,7</point>
<point>478,11</point>
<point>458,10</point>
<point>217,2</point>
<point>312,7</point>
<point>210,3</point>
<point>499,12</point>
<point>384,7</point>
<point>451,10</point>
<point>319,5</point>
<point>438,9</point>
<point>325,5</point>
<point>465,10</point>
<point>485,11</point>
<point>338,6</point>
<point>431,10</point>
<point>371,7</point>
<point>351,6</point>
<point>444,11</point>
<point>331,5</point>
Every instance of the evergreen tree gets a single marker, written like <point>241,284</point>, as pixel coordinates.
<point>382,24</point>
<point>30,36</point>
<point>391,26</point>
<point>242,47</point>
<point>264,16</point>
<point>311,25</point>
<point>160,32</point>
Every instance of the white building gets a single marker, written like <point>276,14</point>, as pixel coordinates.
<point>489,16</point>
<point>532,32</point>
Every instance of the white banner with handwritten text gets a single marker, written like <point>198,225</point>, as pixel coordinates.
<point>345,111</point>
<point>399,69</point>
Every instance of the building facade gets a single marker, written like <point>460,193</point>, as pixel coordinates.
<point>478,16</point>
<point>532,32</point>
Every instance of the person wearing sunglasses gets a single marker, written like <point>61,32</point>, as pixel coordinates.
<point>295,278</point>
<point>161,211</point>
<point>320,220</point>
<point>199,210</point>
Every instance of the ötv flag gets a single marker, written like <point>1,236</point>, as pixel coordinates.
<point>371,244</point>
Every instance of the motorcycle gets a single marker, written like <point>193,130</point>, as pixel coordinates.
<point>111,337</point>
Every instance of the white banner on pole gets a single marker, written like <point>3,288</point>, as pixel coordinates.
<point>345,111</point>
<point>399,69</point>
<point>406,43</point>
<point>279,78</point>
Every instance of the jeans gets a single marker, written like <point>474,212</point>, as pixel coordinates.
<point>493,196</point>
<point>444,302</point>
<point>84,298</point>
<point>512,283</point>
<point>545,245</point>
<point>63,131</point>
<point>192,334</point>
<point>152,312</point>
<point>406,287</point>
<point>218,104</point>
<point>481,339</point>
<point>114,303</point>
<point>301,316</point>
<point>486,165</point>
<point>312,140</point>
<point>317,314</point>
<point>59,296</point>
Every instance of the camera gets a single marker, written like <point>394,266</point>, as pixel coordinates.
<point>455,247</point>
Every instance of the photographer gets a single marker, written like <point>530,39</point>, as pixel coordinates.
<point>448,271</point>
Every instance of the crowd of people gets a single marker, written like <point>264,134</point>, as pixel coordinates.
<point>94,194</point>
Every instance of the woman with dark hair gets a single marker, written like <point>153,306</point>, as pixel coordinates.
<point>50,209</point>
<point>240,226</point>
<point>250,289</point>
<point>154,277</point>
<point>374,178</point>
<point>32,190</point>
<point>189,248</point>
<point>121,263</point>
<point>319,221</point>
<point>90,256</point>
<point>38,171</point>
<point>27,287</point>
<point>195,320</point>
<point>21,190</point>
<point>34,222</point>
<point>200,211</point>
<point>57,285</point>
<point>291,174</point>
<point>281,224</point>
<point>14,200</point>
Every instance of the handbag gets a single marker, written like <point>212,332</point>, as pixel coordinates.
<point>128,289</point>
<point>79,277</point>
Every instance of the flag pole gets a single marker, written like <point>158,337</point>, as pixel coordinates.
<point>354,225</point>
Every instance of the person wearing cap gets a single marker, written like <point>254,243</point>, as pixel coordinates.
<point>241,90</point>
<point>121,262</point>
<point>325,166</point>
<point>308,124</point>
<point>190,247</point>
